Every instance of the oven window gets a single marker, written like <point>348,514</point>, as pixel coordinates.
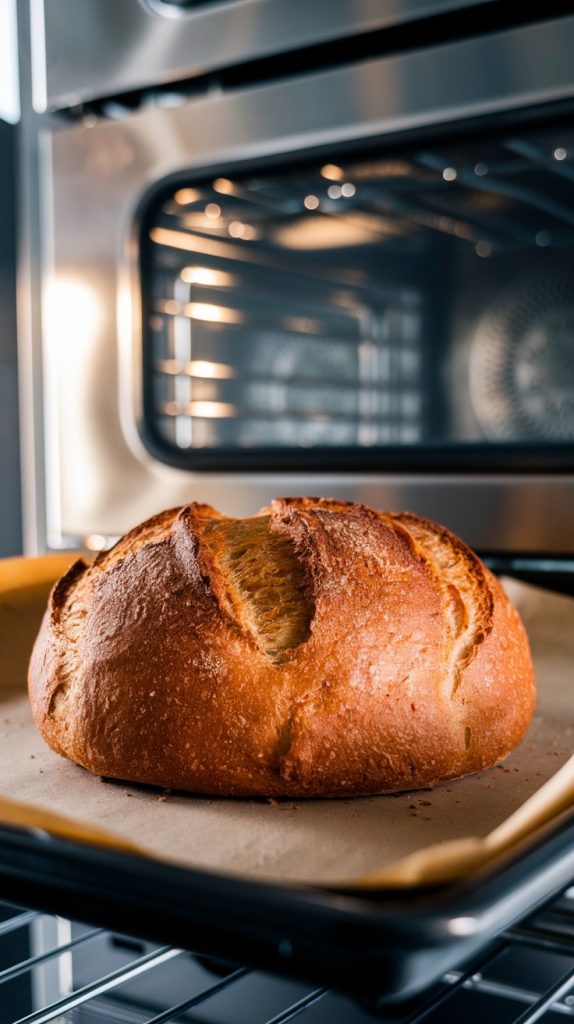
<point>365,312</point>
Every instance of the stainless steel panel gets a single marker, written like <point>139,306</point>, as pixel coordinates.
<point>101,480</point>
<point>101,47</point>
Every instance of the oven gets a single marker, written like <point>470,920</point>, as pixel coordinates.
<point>269,248</point>
<point>343,269</point>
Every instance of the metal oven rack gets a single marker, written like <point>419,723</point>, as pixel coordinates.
<point>53,969</point>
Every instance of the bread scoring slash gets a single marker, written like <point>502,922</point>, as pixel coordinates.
<point>319,648</point>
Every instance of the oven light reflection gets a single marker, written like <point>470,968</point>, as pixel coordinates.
<point>197,368</point>
<point>224,186</point>
<point>207,277</point>
<point>213,211</point>
<point>96,542</point>
<point>73,314</point>
<point>237,229</point>
<point>185,196</point>
<point>211,313</point>
<point>207,311</point>
<point>73,322</point>
<point>203,410</point>
<point>175,239</point>
<point>332,172</point>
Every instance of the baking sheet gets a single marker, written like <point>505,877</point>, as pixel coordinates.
<point>317,841</point>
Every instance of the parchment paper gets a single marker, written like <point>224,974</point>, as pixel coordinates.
<point>318,841</point>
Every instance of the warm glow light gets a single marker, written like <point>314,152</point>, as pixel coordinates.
<point>96,542</point>
<point>75,322</point>
<point>205,368</point>
<point>224,186</point>
<point>213,211</point>
<point>171,306</point>
<point>210,410</point>
<point>311,202</point>
<point>236,229</point>
<point>315,232</point>
<point>212,313</point>
<point>184,196</point>
<point>209,278</point>
<point>177,239</point>
<point>72,313</point>
<point>449,174</point>
<point>332,172</point>
<point>194,243</point>
<point>348,189</point>
<point>197,368</point>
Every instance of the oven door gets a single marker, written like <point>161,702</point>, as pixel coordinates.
<point>114,48</point>
<point>202,340</point>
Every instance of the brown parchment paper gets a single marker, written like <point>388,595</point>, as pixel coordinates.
<point>388,840</point>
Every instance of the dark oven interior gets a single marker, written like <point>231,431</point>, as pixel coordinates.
<point>381,308</point>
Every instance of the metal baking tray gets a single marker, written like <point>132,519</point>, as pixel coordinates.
<point>378,946</point>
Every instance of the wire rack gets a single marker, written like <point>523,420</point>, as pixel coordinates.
<point>54,969</point>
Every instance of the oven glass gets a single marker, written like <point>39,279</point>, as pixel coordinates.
<point>374,307</point>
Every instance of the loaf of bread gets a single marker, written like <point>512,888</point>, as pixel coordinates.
<point>319,648</point>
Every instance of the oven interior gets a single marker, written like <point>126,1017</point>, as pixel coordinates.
<point>380,308</point>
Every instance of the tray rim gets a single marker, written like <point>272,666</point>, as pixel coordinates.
<point>388,944</point>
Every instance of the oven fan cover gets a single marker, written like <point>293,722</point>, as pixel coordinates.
<point>522,359</point>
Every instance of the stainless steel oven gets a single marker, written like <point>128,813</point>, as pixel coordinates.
<point>286,248</point>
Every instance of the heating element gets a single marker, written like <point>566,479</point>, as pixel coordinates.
<point>53,969</point>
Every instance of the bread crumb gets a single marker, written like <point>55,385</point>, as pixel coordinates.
<point>412,807</point>
<point>33,757</point>
<point>425,803</point>
<point>163,797</point>
<point>269,800</point>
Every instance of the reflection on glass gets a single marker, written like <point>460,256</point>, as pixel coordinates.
<point>368,301</point>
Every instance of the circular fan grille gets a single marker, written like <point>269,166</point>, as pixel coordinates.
<point>522,359</point>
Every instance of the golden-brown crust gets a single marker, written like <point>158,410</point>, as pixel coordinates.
<point>321,648</point>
